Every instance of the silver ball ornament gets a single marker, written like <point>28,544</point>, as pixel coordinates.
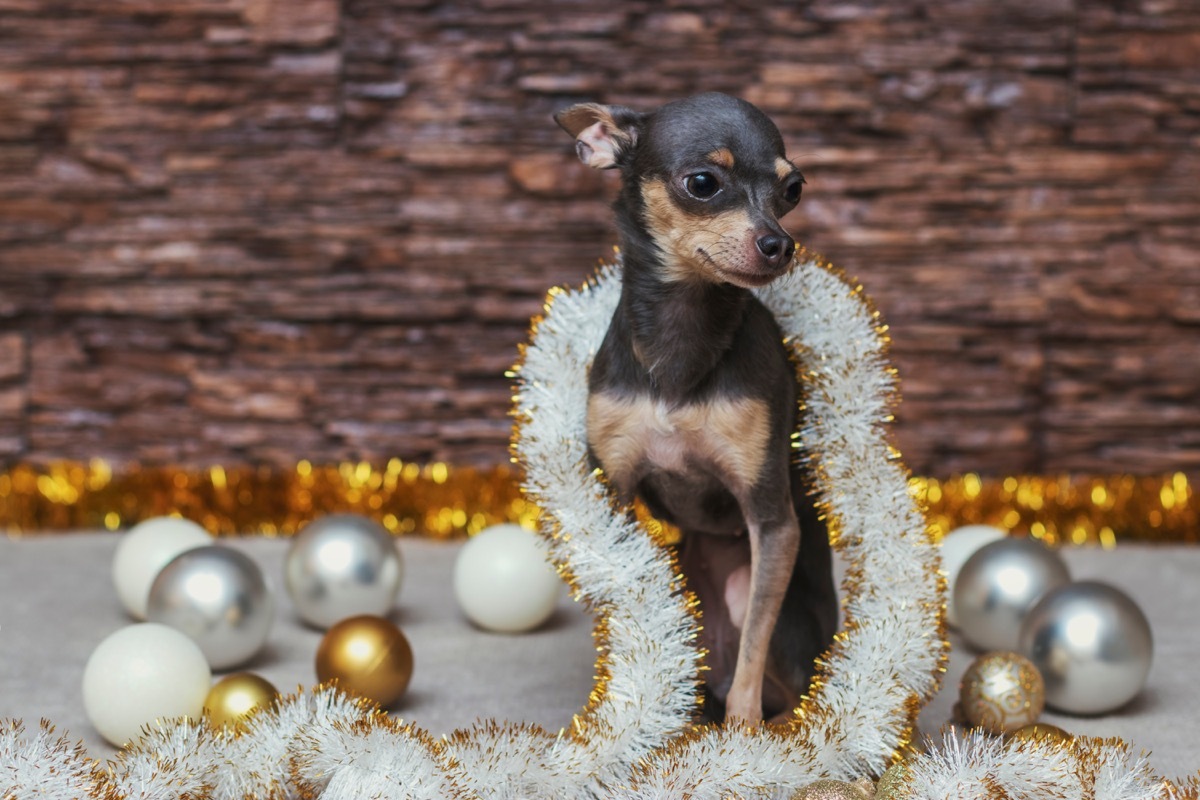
<point>218,597</point>
<point>998,585</point>
<point>959,545</point>
<point>144,551</point>
<point>1092,645</point>
<point>342,566</point>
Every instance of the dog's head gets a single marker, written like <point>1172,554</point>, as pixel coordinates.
<point>708,179</point>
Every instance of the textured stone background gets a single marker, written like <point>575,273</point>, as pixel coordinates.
<point>264,230</point>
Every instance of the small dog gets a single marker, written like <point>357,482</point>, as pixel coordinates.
<point>692,396</point>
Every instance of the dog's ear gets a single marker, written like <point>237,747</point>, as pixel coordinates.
<point>603,134</point>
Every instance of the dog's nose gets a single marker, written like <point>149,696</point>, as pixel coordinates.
<point>776,249</point>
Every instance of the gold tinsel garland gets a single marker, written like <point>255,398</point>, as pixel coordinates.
<point>441,501</point>
<point>430,500</point>
<point>1068,509</point>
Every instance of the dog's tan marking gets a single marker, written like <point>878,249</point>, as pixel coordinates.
<point>722,157</point>
<point>615,426</point>
<point>599,139</point>
<point>630,433</point>
<point>783,168</point>
<point>696,247</point>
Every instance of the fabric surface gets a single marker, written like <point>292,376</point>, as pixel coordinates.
<point>57,603</point>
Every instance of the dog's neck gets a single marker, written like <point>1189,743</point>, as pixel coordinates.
<point>678,330</point>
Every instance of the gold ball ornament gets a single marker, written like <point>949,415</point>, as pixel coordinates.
<point>1001,692</point>
<point>1042,732</point>
<point>367,656</point>
<point>893,783</point>
<point>832,790</point>
<point>233,698</point>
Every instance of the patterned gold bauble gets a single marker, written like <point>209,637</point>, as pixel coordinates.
<point>1001,692</point>
<point>1042,732</point>
<point>893,782</point>
<point>236,696</point>
<point>832,790</point>
<point>368,656</point>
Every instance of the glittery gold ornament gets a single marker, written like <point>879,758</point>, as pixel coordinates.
<point>893,782</point>
<point>1042,732</point>
<point>831,790</point>
<point>367,656</point>
<point>236,696</point>
<point>1001,692</point>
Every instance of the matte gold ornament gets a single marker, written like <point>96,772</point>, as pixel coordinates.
<point>233,698</point>
<point>893,783</point>
<point>367,656</point>
<point>1042,732</point>
<point>1002,692</point>
<point>832,790</point>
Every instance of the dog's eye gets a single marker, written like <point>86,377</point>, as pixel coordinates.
<point>702,185</point>
<point>791,193</point>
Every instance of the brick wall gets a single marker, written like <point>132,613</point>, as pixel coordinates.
<point>264,230</point>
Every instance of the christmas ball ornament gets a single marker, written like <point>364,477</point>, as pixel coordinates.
<point>957,546</point>
<point>218,597</point>
<point>831,790</point>
<point>236,696</point>
<point>342,565</point>
<point>503,581</point>
<point>1041,732</point>
<point>1092,644</point>
<point>893,784</point>
<point>998,585</point>
<point>140,674</point>
<point>368,656</point>
<point>144,551</point>
<point>1002,692</point>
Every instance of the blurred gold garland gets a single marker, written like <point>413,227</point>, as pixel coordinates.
<point>1068,509</point>
<point>432,500</point>
<point>441,501</point>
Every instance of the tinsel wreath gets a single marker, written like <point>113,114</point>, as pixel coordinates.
<point>632,739</point>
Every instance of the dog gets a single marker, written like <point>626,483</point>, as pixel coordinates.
<point>692,396</point>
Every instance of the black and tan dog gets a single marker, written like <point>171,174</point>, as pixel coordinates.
<point>692,396</point>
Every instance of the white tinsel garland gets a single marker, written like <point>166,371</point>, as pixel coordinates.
<point>42,765</point>
<point>632,740</point>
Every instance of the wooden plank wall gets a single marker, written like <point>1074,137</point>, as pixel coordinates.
<point>256,231</point>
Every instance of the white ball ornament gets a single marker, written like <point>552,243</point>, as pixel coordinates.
<point>1092,645</point>
<point>343,565</point>
<point>957,546</point>
<point>219,598</point>
<point>144,551</point>
<point>998,585</point>
<point>503,580</point>
<point>140,674</point>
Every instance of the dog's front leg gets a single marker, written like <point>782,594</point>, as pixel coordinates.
<point>773,548</point>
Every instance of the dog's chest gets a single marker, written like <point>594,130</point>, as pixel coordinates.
<point>635,434</point>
